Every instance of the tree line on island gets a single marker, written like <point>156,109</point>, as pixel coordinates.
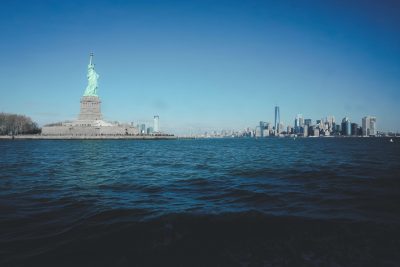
<point>14,124</point>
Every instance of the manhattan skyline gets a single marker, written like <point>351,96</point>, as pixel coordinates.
<point>201,64</point>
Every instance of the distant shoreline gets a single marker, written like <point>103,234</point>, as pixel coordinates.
<point>159,137</point>
<point>70,137</point>
<point>286,137</point>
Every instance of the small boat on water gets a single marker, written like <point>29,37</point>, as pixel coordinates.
<point>391,140</point>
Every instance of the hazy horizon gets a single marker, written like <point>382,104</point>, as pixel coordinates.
<point>203,65</point>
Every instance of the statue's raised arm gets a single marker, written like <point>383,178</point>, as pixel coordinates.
<point>91,89</point>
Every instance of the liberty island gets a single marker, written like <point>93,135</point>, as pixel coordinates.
<point>90,123</point>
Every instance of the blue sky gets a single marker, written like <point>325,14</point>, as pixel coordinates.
<point>203,65</point>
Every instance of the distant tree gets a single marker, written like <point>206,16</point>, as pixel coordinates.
<point>14,124</point>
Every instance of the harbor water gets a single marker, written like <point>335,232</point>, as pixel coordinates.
<point>205,202</point>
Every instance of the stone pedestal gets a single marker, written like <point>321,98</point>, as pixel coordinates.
<point>90,108</point>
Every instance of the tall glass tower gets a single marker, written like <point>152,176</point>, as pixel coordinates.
<point>156,127</point>
<point>298,123</point>
<point>277,120</point>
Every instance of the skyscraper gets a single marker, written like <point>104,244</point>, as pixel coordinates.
<point>277,120</point>
<point>258,131</point>
<point>338,128</point>
<point>346,126</point>
<point>372,126</point>
<point>331,122</point>
<point>298,122</point>
<point>354,129</point>
<point>156,127</point>
<point>368,126</point>
<point>301,121</point>
<point>263,126</point>
<point>305,130</point>
<point>281,127</point>
<point>143,128</point>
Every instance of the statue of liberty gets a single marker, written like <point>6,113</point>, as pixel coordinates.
<point>91,89</point>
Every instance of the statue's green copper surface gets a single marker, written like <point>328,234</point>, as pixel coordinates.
<point>91,89</point>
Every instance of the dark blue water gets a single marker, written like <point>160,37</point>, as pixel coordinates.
<point>120,203</point>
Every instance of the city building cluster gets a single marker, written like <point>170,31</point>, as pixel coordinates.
<point>149,130</point>
<point>305,127</point>
<point>323,127</point>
